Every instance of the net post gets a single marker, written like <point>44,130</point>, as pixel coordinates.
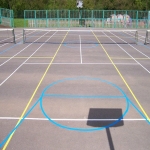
<point>24,36</point>
<point>146,38</point>
<point>13,32</point>
<point>136,37</point>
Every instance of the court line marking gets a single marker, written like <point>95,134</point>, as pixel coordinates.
<point>80,63</point>
<point>71,119</point>
<point>15,39</point>
<point>130,58</point>
<point>10,38</point>
<point>133,47</point>
<point>81,30</point>
<point>128,53</point>
<point>23,62</point>
<point>147,117</point>
<point>19,52</point>
<point>80,49</point>
<point>38,57</point>
<point>142,37</point>
<point>28,104</point>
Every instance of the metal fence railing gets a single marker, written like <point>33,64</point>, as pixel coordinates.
<point>6,17</point>
<point>88,18</point>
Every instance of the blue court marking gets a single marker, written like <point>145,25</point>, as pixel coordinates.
<point>81,96</point>
<point>8,49</point>
<point>71,45</point>
<point>143,116</point>
<point>40,101</point>
<point>84,96</point>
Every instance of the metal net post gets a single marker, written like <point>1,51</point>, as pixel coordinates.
<point>146,38</point>
<point>14,40</point>
<point>24,36</point>
<point>136,37</point>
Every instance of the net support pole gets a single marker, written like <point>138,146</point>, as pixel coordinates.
<point>136,37</point>
<point>146,38</point>
<point>23,36</point>
<point>14,39</point>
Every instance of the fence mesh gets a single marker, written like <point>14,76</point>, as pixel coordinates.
<point>87,18</point>
<point>6,17</point>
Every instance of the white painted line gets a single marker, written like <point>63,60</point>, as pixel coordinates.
<point>16,54</point>
<point>80,63</point>
<point>65,119</point>
<point>44,30</point>
<point>26,59</point>
<point>137,49</point>
<point>16,38</point>
<point>80,49</point>
<point>126,51</point>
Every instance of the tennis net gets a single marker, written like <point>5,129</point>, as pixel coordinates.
<point>7,36</point>
<point>81,36</point>
<point>147,38</point>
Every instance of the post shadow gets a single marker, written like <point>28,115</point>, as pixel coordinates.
<point>107,117</point>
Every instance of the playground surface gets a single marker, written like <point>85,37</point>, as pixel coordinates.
<point>75,90</point>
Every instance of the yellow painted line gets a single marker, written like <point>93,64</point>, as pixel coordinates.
<point>6,144</point>
<point>39,57</point>
<point>130,58</point>
<point>147,117</point>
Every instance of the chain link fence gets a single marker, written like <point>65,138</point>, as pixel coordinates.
<point>87,18</point>
<point>6,17</point>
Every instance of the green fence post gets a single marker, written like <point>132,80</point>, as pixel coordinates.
<point>92,19</point>
<point>137,19</point>
<point>24,18</point>
<point>0,17</point>
<point>148,19</point>
<point>12,18</point>
<point>35,18</point>
<point>46,20</point>
<point>114,18</point>
<point>103,20</point>
<point>69,18</point>
<point>58,18</point>
<point>10,21</point>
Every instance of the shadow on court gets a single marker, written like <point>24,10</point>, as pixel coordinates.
<point>105,118</point>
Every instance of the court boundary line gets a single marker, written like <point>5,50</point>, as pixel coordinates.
<point>127,52</point>
<point>38,63</point>
<point>22,57</point>
<point>132,46</point>
<point>71,119</point>
<point>142,109</point>
<point>29,102</point>
<point>18,52</point>
<point>14,44</point>
<point>24,61</point>
<point>130,58</point>
<point>47,57</point>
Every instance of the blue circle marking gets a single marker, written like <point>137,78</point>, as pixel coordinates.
<point>40,100</point>
<point>83,96</point>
